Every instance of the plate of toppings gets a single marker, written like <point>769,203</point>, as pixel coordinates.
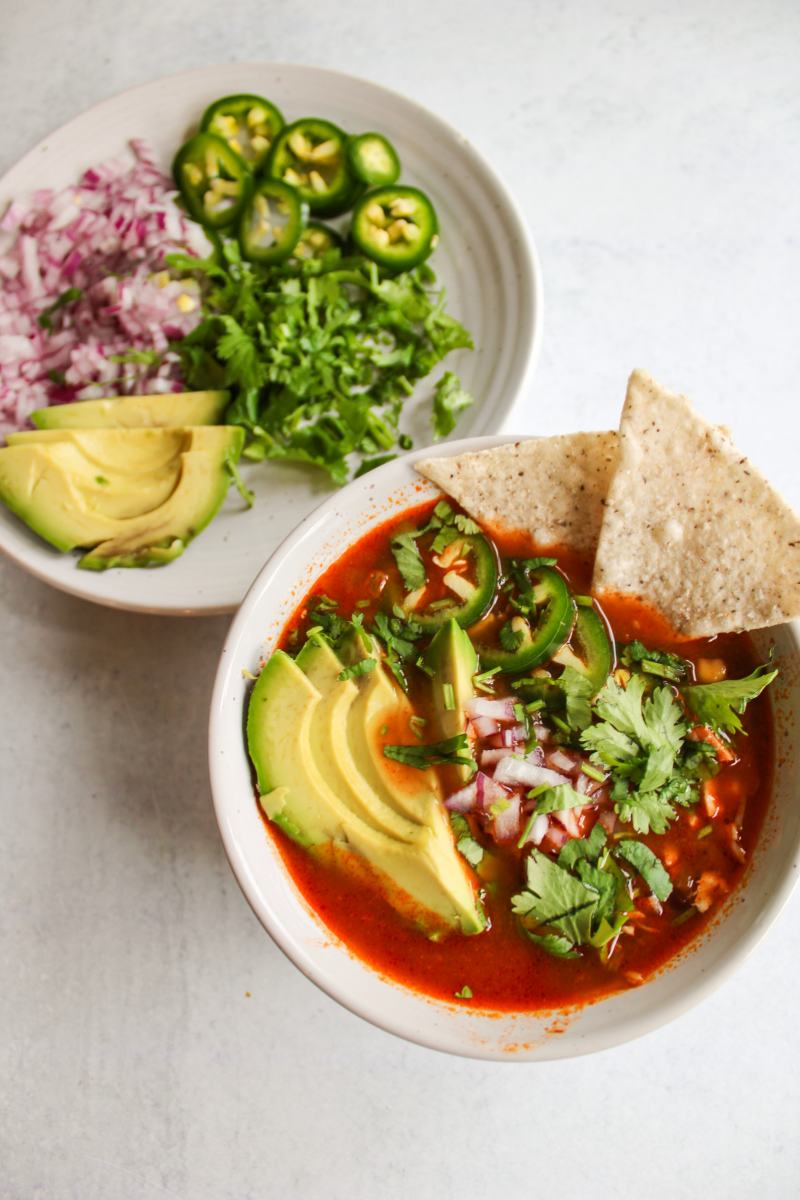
<point>216,309</point>
<point>512,716</point>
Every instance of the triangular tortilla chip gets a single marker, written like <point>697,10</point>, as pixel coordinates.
<point>690,526</point>
<point>550,487</point>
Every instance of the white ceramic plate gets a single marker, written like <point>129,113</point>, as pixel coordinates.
<point>486,261</point>
<point>286,578</point>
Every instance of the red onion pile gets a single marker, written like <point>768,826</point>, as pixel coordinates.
<point>107,237</point>
<point>506,773</point>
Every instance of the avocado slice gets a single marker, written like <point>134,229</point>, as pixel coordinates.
<point>133,412</point>
<point>452,658</point>
<point>423,878</point>
<point>335,754</point>
<point>134,497</point>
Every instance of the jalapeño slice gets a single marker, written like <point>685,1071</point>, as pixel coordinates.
<point>475,594</point>
<point>373,159</point>
<point>213,180</point>
<point>395,226</point>
<point>310,154</point>
<point>555,617</point>
<point>249,124</point>
<point>272,222</point>
<point>316,240</point>
<point>591,649</point>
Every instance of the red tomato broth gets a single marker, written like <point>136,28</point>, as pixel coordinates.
<point>501,966</point>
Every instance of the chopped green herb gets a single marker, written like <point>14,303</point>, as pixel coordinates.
<point>362,667</point>
<point>101,479</point>
<point>637,654</point>
<point>409,561</point>
<point>558,798</point>
<point>593,772</point>
<point>559,947</point>
<point>464,994</point>
<point>68,297</point>
<point>705,832</point>
<point>466,844</point>
<point>450,399</point>
<point>448,697</point>
<point>453,751</point>
<point>719,705</point>
<point>510,639</point>
<point>417,726</point>
<point>683,917</point>
<point>648,865</point>
<point>483,682</point>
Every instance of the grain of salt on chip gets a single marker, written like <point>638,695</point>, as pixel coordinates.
<point>550,487</point>
<point>691,526</point>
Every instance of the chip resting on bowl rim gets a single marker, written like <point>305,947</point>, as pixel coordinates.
<point>691,525</point>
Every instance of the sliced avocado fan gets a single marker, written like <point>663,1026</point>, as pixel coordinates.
<point>321,784</point>
<point>453,662</point>
<point>131,497</point>
<point>134,412</point>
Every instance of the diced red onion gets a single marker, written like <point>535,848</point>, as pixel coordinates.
<point>543,734</point>
<point>490,757</point>
<point>484,727</point>
<point>582,784</point>
<point>463,800</point>
<point>107,236</point>
<point>497,710</point>
<point>555,836</point>
<point>608,819</point>
<point>490,791</point>
<point>561,760</point>
<point>507,822</point>
<point>566,817</point>
<point>538,830</point>
<point>522,771</point>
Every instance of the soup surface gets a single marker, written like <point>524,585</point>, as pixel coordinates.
<point>697,820</point>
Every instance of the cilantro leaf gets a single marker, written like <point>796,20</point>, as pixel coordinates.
<point>510,639</point>
<point>646,811</point>
<point>577,848</point>
<point>578,692</point>
<point>558,798</point>
<point>672,666</point>
<point>409,561</point>
<point>647,864</point>
<point>362,667</point>
<point>559,947</point>
<point>464,994</point>
<point>450,751</point>
<point>68,297</point>
<point>719,705</point>
<point>466,844</point>
<point>449,401</point>
<point>555,898</point>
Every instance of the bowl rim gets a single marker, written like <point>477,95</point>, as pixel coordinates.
<point>84,585</point>
<point>646,1021</point>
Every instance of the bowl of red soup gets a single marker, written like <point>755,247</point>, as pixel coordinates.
<point>481,806</point>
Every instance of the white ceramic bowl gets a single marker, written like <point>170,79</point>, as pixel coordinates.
<point>285,579</point>
<point>486,261</point>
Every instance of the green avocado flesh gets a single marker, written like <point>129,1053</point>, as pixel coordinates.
<point>452,659</point>
<point>323,778</point>
<point>136,412</point>
<point>131,497</point>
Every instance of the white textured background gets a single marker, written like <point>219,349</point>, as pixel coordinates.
<point>656,151</point>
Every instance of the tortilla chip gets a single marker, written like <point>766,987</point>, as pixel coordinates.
<point>551,487</point>
<point>691,527</point>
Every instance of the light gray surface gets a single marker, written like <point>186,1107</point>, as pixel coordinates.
<point>655,150</point>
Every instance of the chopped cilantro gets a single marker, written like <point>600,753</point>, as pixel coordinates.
<point>593,773</point>
<point>464,994</point>
<point>559,947</point>
<point>719,705</point>
<point>578,691</point>
<point>452,751</point>
<point>68,297</point>
<point>409,561</point>
<point>448,697</point>
<point>484,681</point>
<point>654,662</point>
<point>320,356</point>
<point>648,865</point>
<point>449,401</point>
<point>466,844</point>
<point>705,832</point>
<point>363,667</point>
<point>558,798</point>
<point>511,639</point>
<point>555,898</point>
<point>577,848</point>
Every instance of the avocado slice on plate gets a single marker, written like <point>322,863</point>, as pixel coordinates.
<point>452,658</point>
<point>133,412</point>
<point>131,497</point>
<point>424,878</point>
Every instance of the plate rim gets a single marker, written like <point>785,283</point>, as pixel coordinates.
<point>530,272</point>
